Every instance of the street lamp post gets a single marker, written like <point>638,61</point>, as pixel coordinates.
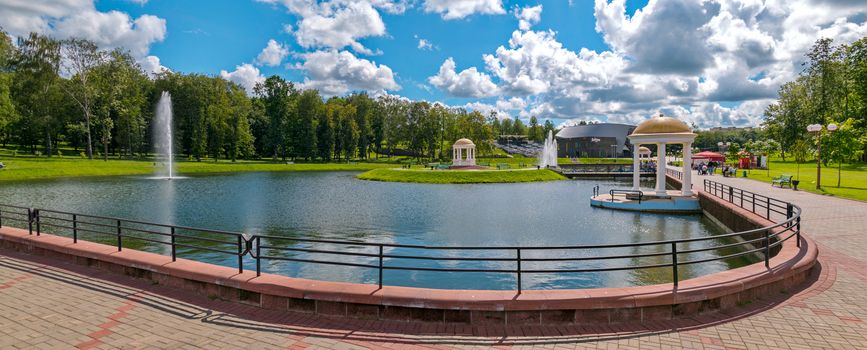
<point>723,146</point>
<point>816,129</point>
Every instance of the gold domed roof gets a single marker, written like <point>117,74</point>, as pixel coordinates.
<point>662,125</point>
<point>464,142</point>
<point>643,150</point>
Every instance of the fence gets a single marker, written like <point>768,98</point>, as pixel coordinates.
<point>382,257</point>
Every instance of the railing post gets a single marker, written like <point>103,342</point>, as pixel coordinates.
<point>380,266</point>
<point>38,227</point>
<point>240,251</point>
<point>767,249</point>
<point>30,221</point>
<point>519,270</point>
<point>789,213</point>
<point>174,248</point>
<point>118,236</point>
<point>731,195</point>
<point>742,198</point>
<point>258,255</point>
<point>769,208</point>
<point>754,202</point>
<point>674,262</point>
<point>74,228</point>
<point>798,232</point>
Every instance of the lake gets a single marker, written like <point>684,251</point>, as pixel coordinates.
<point>335,205</point>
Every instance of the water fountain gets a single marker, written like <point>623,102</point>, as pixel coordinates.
<point>163,134</point>
<point>548,156</point>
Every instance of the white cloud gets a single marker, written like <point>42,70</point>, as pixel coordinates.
<point>514,103</point>
<point>336,73</point>
<point>151,65</point>
<point>424,44</point>
<point>468,83</point>
<point>245,75</point>
<point>486,110</point>
<point>79,18</point>
<point>273,54</point>
<point>337,24</point>
<point>457,9</point>
<point>691,59</point>
<point>528,16</point>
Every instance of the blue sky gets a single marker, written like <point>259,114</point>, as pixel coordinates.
<point>710,62</point>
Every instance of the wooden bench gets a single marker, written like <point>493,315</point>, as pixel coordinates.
<point>782,180</point>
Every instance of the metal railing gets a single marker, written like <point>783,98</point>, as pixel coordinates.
<point>382,257</point>
<point>677,174</point>
<point>627,192</point>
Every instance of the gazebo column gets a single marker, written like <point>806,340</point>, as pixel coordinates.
<point>636,167</point>
<point>686,184</point>
<point>660,169</point>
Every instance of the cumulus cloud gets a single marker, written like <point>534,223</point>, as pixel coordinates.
<point>151,65</point>
<point>79,18</point>
<point>528,16</point>
<point>338,72</point>
<point>486,110</point>
<point>458,9</point>
<point>245,75</point>
<point>689,59</point>
<point>424,44</point>
<point>273,54</point>
<point>337,24</point>
<point>468,83</point>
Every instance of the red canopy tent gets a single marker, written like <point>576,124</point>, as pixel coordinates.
<point>709,156</point>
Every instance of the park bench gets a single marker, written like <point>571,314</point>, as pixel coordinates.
<point>432,166</point>
<point>442,167</point>
<point>501,166</point>
<point>782,180</point>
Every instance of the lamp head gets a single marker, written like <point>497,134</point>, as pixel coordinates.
<point>832,127</point>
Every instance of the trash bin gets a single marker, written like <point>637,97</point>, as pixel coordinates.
<point>745,173</point>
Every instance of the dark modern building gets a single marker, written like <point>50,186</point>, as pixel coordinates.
<point>595,140</point>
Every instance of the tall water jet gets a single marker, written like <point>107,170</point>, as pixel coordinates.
<point>548,156</point>
<point>163,133</point>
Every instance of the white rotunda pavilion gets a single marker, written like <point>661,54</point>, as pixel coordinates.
<point>464,153</point>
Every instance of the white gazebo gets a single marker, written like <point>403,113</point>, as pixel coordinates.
<point>661,131</point>
<point>464,153</point>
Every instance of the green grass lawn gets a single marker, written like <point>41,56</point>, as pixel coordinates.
<point>853,177</point>
<point>26,168</point>
<point>460,177</point>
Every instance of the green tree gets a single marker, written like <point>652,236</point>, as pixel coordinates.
<point>276,97</point>
<point>800,150</point>
<point>81,57</point>
<point>36,65</point>
<point>843,145</point>
<point>308,107</point>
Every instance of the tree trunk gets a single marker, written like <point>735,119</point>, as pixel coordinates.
<point>89,140</point>
<point>105,148</point>
<point>839,167</point>
<point>48,143</point>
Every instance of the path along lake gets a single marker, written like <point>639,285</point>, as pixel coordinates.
<point>335,205</point>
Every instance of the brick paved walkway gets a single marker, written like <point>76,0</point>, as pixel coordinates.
<point>45,304</point>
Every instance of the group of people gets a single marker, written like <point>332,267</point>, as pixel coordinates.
<point>709,168</point>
